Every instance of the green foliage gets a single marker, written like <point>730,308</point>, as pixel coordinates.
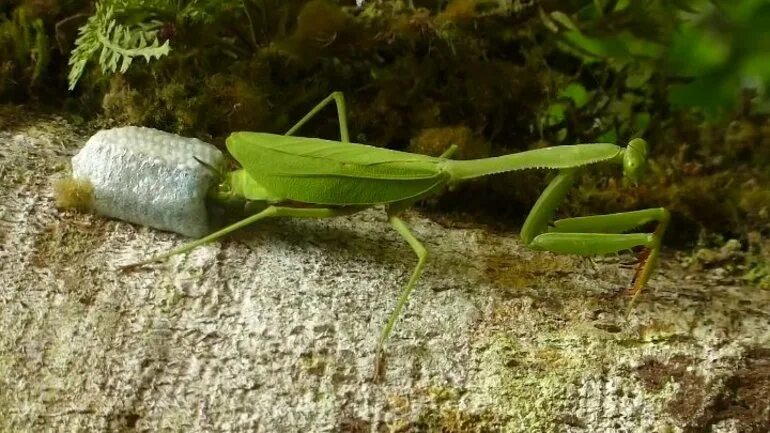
<point>179,11</point>
<point>24,51</point>
<point>723,48</point>
<point>621,46</point>
<point>122,30</point>
<point>758,274</point>
<point>590,36</point>
<point>119,43</point>
<point>705,51</point>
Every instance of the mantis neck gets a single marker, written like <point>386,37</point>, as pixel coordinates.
<point>557,157</point>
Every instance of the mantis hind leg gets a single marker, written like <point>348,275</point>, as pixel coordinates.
<point>339,100</point>
<point>269,212</point>
<point>403,298</point>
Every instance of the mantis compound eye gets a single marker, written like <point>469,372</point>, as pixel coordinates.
<point>635,159</point>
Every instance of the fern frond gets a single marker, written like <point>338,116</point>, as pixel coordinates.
<point>118,44</point>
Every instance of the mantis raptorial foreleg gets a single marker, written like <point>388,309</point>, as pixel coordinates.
<point>591,235</point>
<point>609,228</point>
<point>608,223</point>
<point>338,99</point>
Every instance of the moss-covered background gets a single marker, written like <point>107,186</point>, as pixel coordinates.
<point>493,76</point>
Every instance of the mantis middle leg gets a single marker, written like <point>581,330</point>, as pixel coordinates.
<point>597,234</point>
<point>403,298</point>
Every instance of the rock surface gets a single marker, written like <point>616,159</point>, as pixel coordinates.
<point>274,329</point>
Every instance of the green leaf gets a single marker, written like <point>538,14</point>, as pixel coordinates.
<point>117,43</point>
<point>576,93</point>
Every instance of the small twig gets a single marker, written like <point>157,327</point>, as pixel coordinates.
<point>58,32</point>
<point>251,25</point>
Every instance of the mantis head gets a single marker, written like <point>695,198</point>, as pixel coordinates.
<point>635,159</point>
<point>222,190</point>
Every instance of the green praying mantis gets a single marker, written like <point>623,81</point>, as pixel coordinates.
<point>315,178</point>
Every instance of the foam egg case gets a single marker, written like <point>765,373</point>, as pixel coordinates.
<point>149,177</point>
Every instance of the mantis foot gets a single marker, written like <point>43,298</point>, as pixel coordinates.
<point>380,366</point>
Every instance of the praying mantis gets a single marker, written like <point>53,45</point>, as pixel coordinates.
<point>315,178</point>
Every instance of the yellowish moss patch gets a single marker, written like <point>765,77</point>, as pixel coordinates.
<point>73,193</point>
<point>435,141</point>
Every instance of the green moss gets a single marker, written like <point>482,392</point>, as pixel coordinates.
<point>440,412</point>
<point>758,273</point>
<point>319,22</point>
<point>515,275</point>
<point>450,420</point>
<point>226,103</point>
<point>73,194</point>
<point>24,53</point>
<point>527,398</point>
<point>435,141</point>
<point>7,395</point>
